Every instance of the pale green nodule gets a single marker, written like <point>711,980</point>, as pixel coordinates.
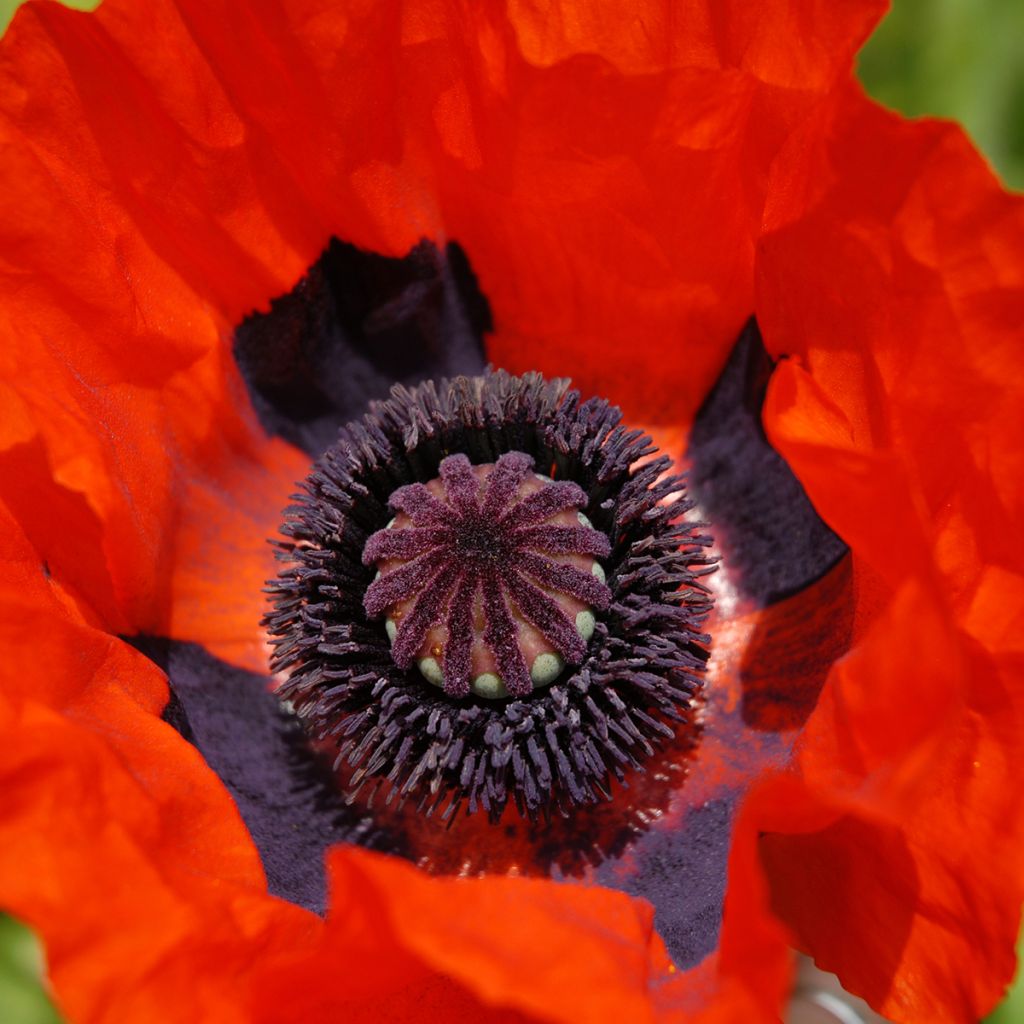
<point>488,685</point>
<point>545,669</point>
<point>585,623</point>
<point>431,671</point>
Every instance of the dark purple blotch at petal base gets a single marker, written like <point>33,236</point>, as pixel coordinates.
<point>683,873</point>
<point>771,538</point>
<point>355,325</point>
<point>293,812</point>
<point>284,794</point>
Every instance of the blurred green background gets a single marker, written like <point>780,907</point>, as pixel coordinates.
<point>961,59</point>
<point>22,998</point>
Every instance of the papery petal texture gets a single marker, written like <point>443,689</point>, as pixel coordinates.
<point>608,200</point>
<point>900,411</point>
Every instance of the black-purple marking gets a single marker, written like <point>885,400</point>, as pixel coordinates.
<point>774,542</point>
<point>285,795</point>
<point>353,326</point>
<point>683,873</point>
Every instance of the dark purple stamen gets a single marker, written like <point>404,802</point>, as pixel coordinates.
<point>617,684</point>
<point>490,532</point>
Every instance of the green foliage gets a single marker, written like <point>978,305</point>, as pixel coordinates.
<point>1012,1009</point>
<point>961,59</point>
<point>22,999</point>
<point>8,7</point>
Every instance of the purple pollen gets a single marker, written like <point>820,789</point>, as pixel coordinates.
<point>487,577</point>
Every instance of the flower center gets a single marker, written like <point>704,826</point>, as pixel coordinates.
<point>487,577</point>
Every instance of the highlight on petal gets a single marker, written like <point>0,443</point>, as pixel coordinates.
<point>804,45</point>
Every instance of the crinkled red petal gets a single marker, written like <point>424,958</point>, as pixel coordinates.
<point>607,186</point>
<point>889,277</point>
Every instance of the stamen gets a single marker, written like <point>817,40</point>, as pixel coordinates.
<point>561,651</point>
<point>479,603</point>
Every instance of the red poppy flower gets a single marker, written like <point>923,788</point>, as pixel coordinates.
<point>692,213</point>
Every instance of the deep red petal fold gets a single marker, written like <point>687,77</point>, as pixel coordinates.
<point>889,276</point>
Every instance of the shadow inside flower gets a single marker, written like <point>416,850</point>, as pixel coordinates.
<point>568,845</point>
<point>820,880</point>
<point>665,834</point>
<point>795,644</point>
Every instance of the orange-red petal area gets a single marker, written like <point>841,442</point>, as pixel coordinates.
<point>891,850</point>
<point>119,845</point>
<point>131,243</point>
<point>122,849</point>
<point>891,277</point>
<point>615,186</point>
<point>169,167</point>
<point>564,953</point>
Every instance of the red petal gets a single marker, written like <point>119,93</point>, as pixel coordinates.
<point>619,176</point>
<point>393,927</point>
<point>890,277</point>
<point>180,164</point>
<point>117,843</point>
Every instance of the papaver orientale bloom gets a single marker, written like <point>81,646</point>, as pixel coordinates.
<point>689,210</point>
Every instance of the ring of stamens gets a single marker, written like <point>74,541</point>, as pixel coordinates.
<point>487,576</point>
<point>551,749</point>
